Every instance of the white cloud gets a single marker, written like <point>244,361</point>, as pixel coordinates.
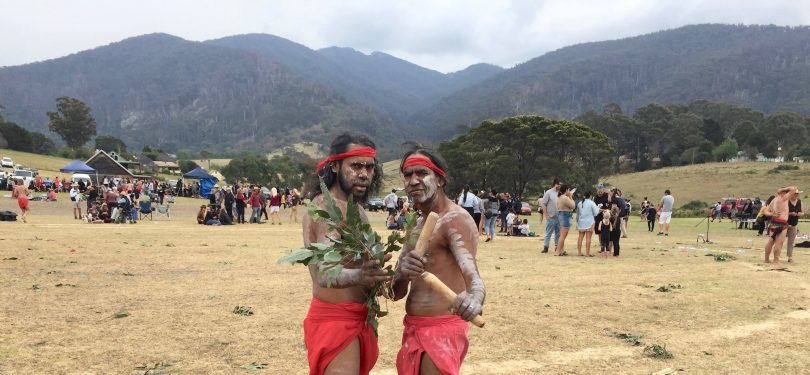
<point>443,35</point>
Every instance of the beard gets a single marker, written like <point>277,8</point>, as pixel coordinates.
<point>348,186</point>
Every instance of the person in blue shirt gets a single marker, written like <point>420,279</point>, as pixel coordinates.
<point>586,218</point>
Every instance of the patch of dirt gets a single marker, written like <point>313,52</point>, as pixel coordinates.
<point>587,354</point>
<point>746,330</point>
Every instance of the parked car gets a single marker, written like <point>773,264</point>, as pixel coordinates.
<point>172,183</point>
<point>21,174</point>
<point>375,204</point>
<point>729,202</point>
<point>7,162</point>
<point>80,177</point>
<point>525,208</point>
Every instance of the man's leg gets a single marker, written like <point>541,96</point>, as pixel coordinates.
<point>791,238</point>
<point>768,247</point>
<point>556,231</point>
<point>624,226</point>
<point>550,224</point>
<point>347,361</point>
<point>427,367</point>
<point>777,245</point>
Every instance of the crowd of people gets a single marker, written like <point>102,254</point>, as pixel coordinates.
<point>227,205</point>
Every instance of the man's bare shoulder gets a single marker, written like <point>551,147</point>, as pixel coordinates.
<point>457,218</point>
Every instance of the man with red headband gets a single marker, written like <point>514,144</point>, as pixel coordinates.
<point>336,335</point>
<point>435,337</point>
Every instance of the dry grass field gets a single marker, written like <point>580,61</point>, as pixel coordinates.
<point>711,182</point>
<point>48,165</point>
<point>158,296</point>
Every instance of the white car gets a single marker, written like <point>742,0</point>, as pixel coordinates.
<point>76,177</point>
<point>26,176</point>
<point>7,162</point>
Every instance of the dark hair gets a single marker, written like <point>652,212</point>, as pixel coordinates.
<point>667,192</point>
<point>768,201</point>
<point>416,148</point>
<point>563,189</point>
<point>340,145</point>
<point>464,193</point>
<point>555,182</point>
<point>587,194</point>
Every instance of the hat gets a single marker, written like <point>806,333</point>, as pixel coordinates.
<point>600,186</point>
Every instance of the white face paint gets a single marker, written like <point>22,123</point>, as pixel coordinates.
<point>431,185</point>
<point>421,184</point>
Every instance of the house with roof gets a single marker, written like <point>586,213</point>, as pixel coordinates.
<point>108,166</point>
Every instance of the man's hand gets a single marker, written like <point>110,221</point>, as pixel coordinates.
<point>466,305</point>
<point>411,266</point>
<point>371,272</point>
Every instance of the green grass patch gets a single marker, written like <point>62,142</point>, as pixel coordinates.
<point>243,310</point>
<point>657,351</point>
<point>722,257</point>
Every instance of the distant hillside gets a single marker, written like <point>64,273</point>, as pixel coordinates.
<point>709,182</point>
<point>164,91</point>
<point>380,81</point>
<point>762,67</point>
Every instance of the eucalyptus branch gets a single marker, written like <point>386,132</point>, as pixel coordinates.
<point>352,240</point>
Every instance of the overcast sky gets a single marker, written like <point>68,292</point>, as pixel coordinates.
<point>443,35</point>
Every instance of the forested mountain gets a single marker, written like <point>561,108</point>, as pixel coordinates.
<point>162,90</point>
<point>380,81</point>
<point>763,67</point>
<point>257,92</point>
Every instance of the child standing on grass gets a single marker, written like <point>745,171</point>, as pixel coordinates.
<point>605,227</point>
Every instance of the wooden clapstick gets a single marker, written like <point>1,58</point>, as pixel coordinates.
<point>427,231</point>
<point>430,279</point>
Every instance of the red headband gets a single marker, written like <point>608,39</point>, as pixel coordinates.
<point>360,151</point>
<point>422,160</point>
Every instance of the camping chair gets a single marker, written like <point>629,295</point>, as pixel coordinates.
<point>163,209</point>
<point>145,209</point>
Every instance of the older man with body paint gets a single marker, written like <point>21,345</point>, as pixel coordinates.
<point>435,337</point>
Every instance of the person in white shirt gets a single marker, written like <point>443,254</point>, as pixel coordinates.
<point>510,218</point>
<point>467,200</point>
<point>524,228</point>
<point>390,202</point>
<point>75,198</point>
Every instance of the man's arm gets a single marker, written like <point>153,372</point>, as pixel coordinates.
<point>463,245</point>
<point>545,205</point>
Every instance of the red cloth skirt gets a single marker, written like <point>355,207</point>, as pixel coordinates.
<point>443,338</point>
<point>22,201</point>
<point>329,328</point>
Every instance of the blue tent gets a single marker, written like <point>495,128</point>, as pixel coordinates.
<point>77,166</point>
<point>207,181</point>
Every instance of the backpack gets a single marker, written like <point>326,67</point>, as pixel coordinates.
<point>493,208</point>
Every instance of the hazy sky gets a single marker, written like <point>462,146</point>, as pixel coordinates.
<point>443,35</point>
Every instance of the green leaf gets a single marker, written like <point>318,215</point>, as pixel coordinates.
<point>332,257</point>
<point>297,256</point>
<point>331,204</point>
<point>352,213</point>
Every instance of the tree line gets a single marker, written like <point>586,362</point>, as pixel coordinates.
<point>661,135</point>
